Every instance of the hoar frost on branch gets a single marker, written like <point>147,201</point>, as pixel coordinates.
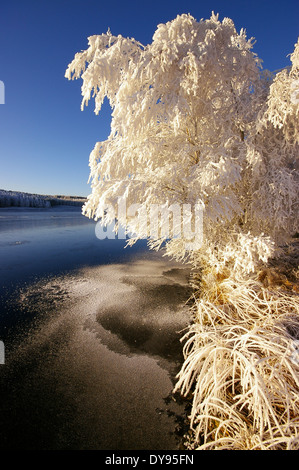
<point>194,120</point>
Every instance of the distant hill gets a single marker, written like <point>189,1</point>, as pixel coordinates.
<point>20,199</point>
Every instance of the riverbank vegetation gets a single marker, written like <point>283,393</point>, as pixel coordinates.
<point>242,359</point>
<point>195,120</point>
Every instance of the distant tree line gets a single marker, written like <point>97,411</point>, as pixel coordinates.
<point>19,199</point>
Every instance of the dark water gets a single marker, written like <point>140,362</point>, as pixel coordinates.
<point>40,243</point>
<point>92,337</point>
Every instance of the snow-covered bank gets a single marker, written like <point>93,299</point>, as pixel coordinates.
<point>20,199</point>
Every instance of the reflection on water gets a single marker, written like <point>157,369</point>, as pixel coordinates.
<point>91,336</point>
<point>51,241</point>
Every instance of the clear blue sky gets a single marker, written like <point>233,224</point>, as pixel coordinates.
<point>45,138</point>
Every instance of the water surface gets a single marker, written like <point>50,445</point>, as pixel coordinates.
<point>91,333</point>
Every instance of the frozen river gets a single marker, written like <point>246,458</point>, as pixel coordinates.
<point>91,333</point>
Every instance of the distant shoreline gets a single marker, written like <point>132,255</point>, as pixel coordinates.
<point>61,207</point>
<point>11,199</point>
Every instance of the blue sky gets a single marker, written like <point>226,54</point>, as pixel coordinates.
<point>45,139</point>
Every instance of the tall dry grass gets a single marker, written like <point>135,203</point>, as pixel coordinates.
<point>242,365</point>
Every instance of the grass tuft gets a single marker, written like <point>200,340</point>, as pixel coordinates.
<point>242,364</point>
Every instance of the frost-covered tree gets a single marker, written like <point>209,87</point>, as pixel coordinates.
<point>273,153</point>
<point>195,120</point>
<point>191,124</point>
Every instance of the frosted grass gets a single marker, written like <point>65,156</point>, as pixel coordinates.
<point>242,368</point>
